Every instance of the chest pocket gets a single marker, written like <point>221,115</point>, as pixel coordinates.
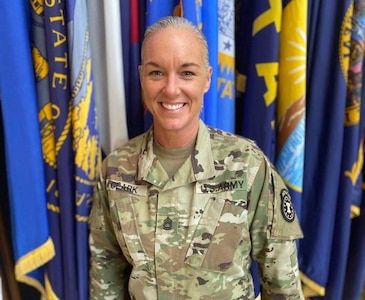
<point>122,209</point>
<point>220,231</point>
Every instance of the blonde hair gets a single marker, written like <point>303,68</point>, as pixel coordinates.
<point>178,22</point>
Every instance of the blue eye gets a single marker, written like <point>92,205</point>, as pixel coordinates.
<point>156,73</point>
<point>188,73</point>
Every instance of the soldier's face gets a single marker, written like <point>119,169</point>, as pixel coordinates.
<point>174,79</point>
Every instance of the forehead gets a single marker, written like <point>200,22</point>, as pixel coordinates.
<point>172,38</point>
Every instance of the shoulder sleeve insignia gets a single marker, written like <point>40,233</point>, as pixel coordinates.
<point>287,208</point>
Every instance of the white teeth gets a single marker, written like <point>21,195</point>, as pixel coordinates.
<point>172,106</point>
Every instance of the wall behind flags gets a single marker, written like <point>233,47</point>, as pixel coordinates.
<point>287,73</point>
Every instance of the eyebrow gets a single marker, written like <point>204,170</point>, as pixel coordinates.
<point>184,65</point>
<point>190,65</point>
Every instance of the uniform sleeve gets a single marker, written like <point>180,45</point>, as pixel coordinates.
<point>274,231</point>
<point>109,271</point>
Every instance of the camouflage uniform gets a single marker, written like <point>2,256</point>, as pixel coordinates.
<point>192,236</point>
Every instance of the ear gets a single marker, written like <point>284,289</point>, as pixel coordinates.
<point>209,78</point>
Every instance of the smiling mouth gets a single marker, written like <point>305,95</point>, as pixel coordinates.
<point>172,106</point>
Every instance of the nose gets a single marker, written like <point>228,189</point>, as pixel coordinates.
<point>171,88</point>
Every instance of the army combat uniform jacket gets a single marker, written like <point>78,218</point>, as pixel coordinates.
<point>192,236</point>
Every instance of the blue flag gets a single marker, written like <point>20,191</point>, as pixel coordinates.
<point>54,278</point>
<point>70,139</point>
<point>257,64</point>
<point>355,271</point>
<point>354,118</point>
<point>225,107</point>
<point>156,9</point>
<point>328,32</point>
<point>350,188</point>
<point>85,136</point>
<point>32,245</point>
<point>58,57</point>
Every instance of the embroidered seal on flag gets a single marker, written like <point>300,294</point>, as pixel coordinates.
<point>287,208</point>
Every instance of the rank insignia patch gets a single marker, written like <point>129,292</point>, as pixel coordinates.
<point>167,224</point>
<point>287,208</point>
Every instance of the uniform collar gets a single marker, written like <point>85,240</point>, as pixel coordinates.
<point>202,162</point>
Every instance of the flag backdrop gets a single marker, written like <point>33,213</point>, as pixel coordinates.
<point>107,52</point>
<point>355,270</point>
<point>57,49</point>
<point>350,189</point>
<point>354,275</point>
<point>32,245</point>
<point>130,17</point>
<point>286,73</point>
<point>85,135</point>
<point>54,278</point>
<point>116,118</point>
<point>257,63</point>
<point>225,69</point>
<point>328,39</point>
<point>70,139</point>
<point>98,50</point>
<point>291,98</point>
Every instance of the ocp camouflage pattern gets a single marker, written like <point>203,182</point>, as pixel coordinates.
<point>192,236</point>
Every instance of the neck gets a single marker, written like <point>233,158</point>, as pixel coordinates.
<point>175,139</point>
